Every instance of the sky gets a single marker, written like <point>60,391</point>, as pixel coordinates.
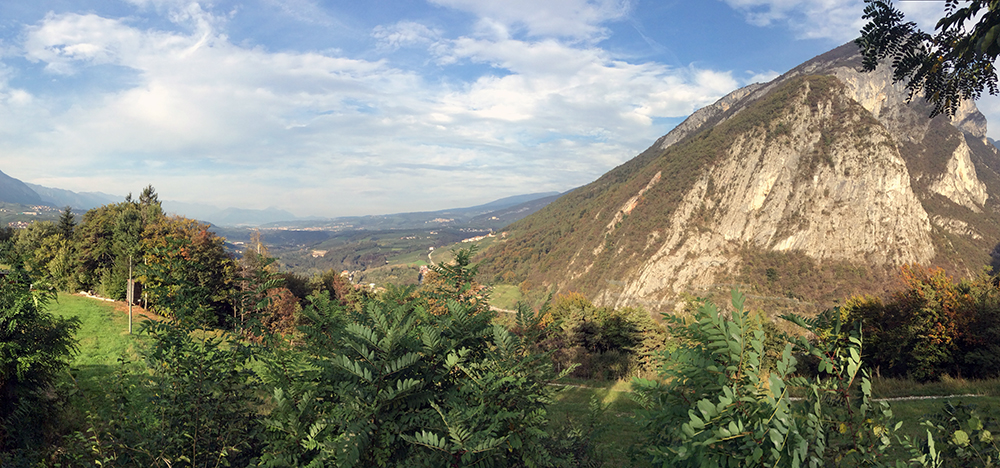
<point>334,108</point>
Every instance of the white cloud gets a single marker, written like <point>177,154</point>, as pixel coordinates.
<point>63,41</point>
<point>837,20</point>
<point>207,119</point>
<point>925,14</point>
<point>761,77</point>
<point>404,34</point>
<point>577,19</point>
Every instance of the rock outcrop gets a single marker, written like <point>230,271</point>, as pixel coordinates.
<point>825,164</point>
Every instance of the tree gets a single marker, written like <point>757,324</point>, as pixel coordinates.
<point>952,65</point>
<point>66,222</point>
<point>187,271</point>
<point>392,384</point>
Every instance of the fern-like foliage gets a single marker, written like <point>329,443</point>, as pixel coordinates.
<point>717,405</point>
<point>394,384</point>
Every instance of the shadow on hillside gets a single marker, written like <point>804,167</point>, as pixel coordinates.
<point>995,259</point>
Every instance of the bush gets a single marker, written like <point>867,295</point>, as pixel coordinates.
<point>35,347</point>
<point>603,343</point>
<point>717,405</point>
<point>933,327</point>
<point>394,384</point>
<point>190,405</point>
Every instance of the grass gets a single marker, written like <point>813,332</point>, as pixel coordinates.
<point>103,336</point>
<point>895,388</point>
<point>616,429</point>
<point>103,340</point>
<point>505,296</point>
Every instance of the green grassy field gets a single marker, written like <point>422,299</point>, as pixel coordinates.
<point>505,296</point>
<point>103,340</point>
<point>103,336</point>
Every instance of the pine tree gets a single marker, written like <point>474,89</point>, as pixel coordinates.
<point>67,222</point>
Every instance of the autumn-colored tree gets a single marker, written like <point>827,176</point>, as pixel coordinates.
<point>928,328</point>
<point>197,261</point>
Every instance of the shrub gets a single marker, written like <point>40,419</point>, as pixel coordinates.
<point>394,384</point>
<point>603,343</point>
<point>35,347</point>
<point>932,327</point>
<point>717,406</point>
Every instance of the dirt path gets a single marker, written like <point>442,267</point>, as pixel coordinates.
<point>138,312</point>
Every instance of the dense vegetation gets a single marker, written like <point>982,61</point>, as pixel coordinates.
<point>251,367</point>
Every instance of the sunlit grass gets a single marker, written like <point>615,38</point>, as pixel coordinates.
<point>617,435</point>
<point>103,335</point>
<point>883,387</point>
<point>505,296</point>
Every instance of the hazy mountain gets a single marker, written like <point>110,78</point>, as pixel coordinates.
<point>77,200</point>
<point>479,216</point>
<point>814,186</point>
<point>15,191</point>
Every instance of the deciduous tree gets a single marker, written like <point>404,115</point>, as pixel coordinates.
<point>951,65</point>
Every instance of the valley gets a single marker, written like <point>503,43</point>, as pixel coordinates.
<point>773,272</point>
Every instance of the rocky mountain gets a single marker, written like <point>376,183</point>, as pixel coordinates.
<point>15,191</point>
<point>806,189</point>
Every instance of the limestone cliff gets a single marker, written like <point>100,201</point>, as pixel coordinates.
<point>825,167</point>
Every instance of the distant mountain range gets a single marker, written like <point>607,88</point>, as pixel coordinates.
<point>75,200</point>
<point>494,214</point>
<point>15,191</point>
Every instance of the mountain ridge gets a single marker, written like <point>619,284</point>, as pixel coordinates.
<point>14,191</point>
<point>821,172</point>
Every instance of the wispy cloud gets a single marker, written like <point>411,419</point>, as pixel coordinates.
<point>576,19</point>
<point>836,20</point>
<point>209,119</point>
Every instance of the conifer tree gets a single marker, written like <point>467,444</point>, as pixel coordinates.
<point>67,222</point>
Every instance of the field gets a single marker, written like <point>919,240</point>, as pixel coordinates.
<point>103,336</point>
<point>104,340</point>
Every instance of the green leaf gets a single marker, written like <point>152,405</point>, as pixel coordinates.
<point>960,438</point>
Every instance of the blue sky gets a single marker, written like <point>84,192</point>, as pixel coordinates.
<point>333,108</point>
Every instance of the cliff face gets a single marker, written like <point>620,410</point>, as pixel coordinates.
<point>824,164</point>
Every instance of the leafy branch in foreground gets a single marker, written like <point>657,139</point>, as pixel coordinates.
<point>394,383</point>
<point>717,405</point>
<point>952,65</point>
<point>34,347</point>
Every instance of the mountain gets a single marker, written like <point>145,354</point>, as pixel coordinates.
<point>492,215</point>
<point>15,191</point>
<point>76,200</point>
<point>803,190</point>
